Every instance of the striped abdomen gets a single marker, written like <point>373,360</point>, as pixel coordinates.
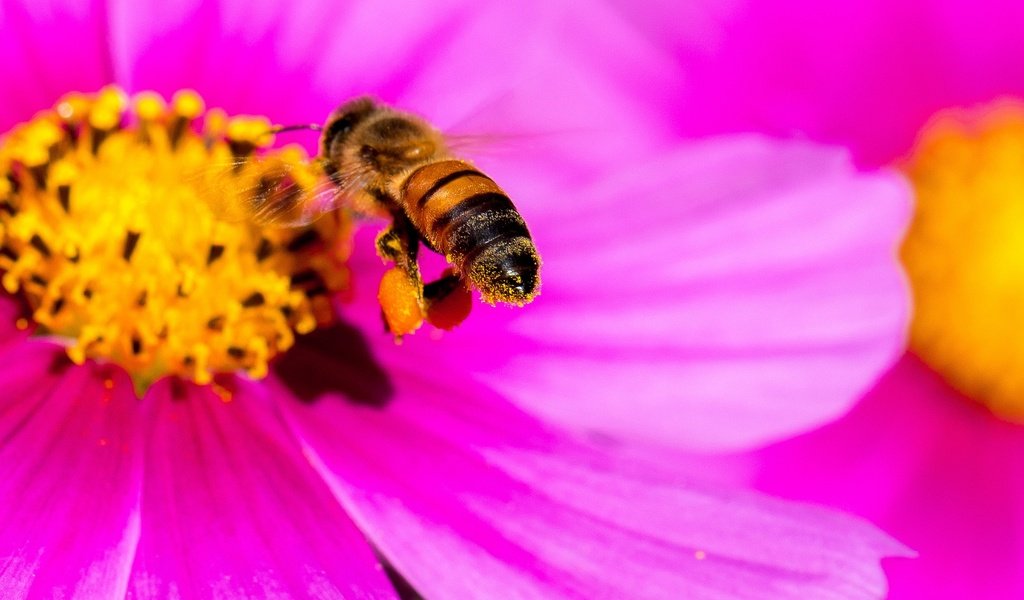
<point>464,215</point>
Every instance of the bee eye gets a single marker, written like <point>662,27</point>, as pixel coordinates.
<point>368,153</point>
<point>345,124</point>
<point>349,116</point>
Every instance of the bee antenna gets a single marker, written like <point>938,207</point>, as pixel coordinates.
<point>283,128</point>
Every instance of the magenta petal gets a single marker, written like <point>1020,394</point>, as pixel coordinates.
<point>49,49</point>
<point>552,90</point>
<point>470,498</point>
<point>577,82</point>
<point>232,509</point>
<point>70,477</point>
<point>249,57</point>
<point>933,468</point>
<point>734,293</point>
<point>867,75</point>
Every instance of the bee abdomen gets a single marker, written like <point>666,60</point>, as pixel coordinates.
<point>467,217</point>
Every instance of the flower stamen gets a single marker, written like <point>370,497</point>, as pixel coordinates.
<point>964,253</point>
<point>119,227</point>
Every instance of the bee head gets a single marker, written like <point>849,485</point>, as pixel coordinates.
<point>340,125</point>
<point>363,135</point>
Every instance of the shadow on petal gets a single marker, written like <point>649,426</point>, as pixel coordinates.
<point>335,361</point>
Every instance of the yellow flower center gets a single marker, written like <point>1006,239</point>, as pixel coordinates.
<point>113,233</point>
<point>964,254</point>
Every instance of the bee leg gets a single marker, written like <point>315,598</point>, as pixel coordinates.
<point>401,288</point>
<point>448,300</point>
<point>389,245</point>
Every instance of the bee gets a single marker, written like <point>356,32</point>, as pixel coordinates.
<point>385,162</point>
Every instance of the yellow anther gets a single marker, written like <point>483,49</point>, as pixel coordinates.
<point>111,97</point>
<point>149,106</point>
<point>252,130</point>
<point>76,354</point>
<point>188,104</point>
<point>216,123</point>
<point>33,155</point>
<point>305,324</point>
<point>74,107</point>
<point>63,173</point>
<point>104,118</point>
<point>43,132</point>
<point>108,108</point>
<point>11,282</point>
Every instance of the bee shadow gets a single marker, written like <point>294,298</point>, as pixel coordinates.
<point>334,361</point>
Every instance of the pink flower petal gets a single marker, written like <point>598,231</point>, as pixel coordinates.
<point>581,85</point>
<point>936,470</point>
<point>470,498</point>
<point>49,49</point>
<point>734,293</point>
<point>550,92</point>
<point>690,27</point>
<point>232,509</point>
<point>867,75</point>
<point>247,57</point>
<point>70,477</point>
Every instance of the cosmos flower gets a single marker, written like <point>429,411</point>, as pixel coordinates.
<point>686,302</point>
<point>932,452</point>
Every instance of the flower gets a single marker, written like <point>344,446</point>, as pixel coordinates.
<point>934,88</point>
<point>461,462</point>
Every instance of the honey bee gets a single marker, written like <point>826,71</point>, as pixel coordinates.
<point>389,163</point>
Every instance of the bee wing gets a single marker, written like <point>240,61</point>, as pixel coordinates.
<point>286,203</point>
<point>218,187</point>
<point>496,126</point>
<point>493,144</point>
<point>268,190</point>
